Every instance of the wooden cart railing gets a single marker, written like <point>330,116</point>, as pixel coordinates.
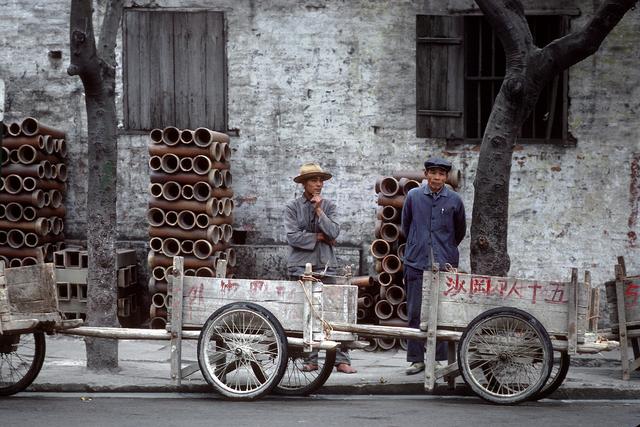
<point>28,300</point>
<point>623,299</point>
<point>296,305</point>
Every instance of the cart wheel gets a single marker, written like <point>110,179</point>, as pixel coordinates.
<point>296,381</point>
<point>21,358</point>
<point>561,362</point>
<point>505,355</point>
<point>242,351</point>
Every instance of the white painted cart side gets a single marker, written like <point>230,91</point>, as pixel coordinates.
<point>451,300</point>
<point>561,307</point>
<point>285,299</point>
<point>28,298</point>
<point>301,307</point>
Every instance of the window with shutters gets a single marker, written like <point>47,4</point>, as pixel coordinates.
<point>174,69</point>
<point>460,65</point>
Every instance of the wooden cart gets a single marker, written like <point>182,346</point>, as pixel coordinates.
<point>254,336</point>
<point>28,309</point>
<point>514,336</point>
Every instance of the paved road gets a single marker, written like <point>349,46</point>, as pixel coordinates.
<point>166,409</point>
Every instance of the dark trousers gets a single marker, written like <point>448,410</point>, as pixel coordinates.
<point>413,284</point>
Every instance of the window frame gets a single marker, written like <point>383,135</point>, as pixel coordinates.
<point>565,15</point>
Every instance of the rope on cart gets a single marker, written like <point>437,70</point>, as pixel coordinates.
<point>450,268</point>
<point>326,326</point>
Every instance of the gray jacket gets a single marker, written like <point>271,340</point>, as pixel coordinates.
<point>301,225</point>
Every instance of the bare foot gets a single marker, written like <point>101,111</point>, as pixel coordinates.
<point>346,369</point>
<point>310,367</point>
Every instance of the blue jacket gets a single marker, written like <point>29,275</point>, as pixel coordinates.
<point>432,221</point>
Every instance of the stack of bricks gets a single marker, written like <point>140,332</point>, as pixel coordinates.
<point>34,176</point>
<point>71,278</point>
<point>190,210</point>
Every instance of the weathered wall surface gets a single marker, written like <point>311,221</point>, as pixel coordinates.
<point>334,81</point>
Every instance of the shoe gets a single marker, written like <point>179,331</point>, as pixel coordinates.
<point>345,368</point>
<point>309,367</point>
<point>414,368</point>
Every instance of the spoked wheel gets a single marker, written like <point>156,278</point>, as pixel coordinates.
<point>505,355</point>
<point>561,362</point>
<point>296,381</point>
<point>21,358</point>
<point>242,351</point>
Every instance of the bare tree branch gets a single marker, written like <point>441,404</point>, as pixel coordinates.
<point>109,31</point>
<point>578,45</point>
<point>83,45</point>
<point>510,25</point>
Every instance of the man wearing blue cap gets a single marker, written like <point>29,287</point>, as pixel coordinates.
<point>433,221</point>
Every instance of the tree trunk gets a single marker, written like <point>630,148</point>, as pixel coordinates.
<point>97,72</point>
<point>528,69</point>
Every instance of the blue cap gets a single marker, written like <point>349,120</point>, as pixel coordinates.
<point>437,162</point>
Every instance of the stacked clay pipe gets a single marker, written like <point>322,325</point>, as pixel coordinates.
<point>390,306</point>
<point>190,209</point>
<point>34,175</point>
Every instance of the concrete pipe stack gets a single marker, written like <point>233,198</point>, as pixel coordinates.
<point>34,175</point>
<point>387,249</point>
<point>190,208</point>
<point>390,308</point>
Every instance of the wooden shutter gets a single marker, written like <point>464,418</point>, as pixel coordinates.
<point>216,66</point>
<point>175,70</point>
<point>440,77</point>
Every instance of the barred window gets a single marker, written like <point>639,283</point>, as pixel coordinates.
<point>460,65</point>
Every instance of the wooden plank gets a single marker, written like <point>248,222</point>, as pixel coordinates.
<point>132,68</point>
<point>423,77</point>
<point>317,304</point>
<point>462,297</point>
<point>146,45</point>
<point>631,294</point>
<point>176,319</point>
<point>203,295</point>
<point>455,81</point>
<point>4,297</point>
<point>438,63</point>
<point>429,314</point>
<point>572,318</point>
<point>31,289</point>
<point>307,308</point>
<point>440,113</point>
<point>215,72</point>
<point>162,335</point>
<point>440,40</point>
<point>162,112</point>
<point>221,268</point>
<point>189,59</point>
<point>624,354</point>
<point>439,77</point>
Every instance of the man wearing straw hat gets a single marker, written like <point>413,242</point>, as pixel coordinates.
<point>311,234</point>
<point>433,219</point>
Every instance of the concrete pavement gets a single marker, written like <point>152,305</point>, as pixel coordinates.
<point>144,367</point>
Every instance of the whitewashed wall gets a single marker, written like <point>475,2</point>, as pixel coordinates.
<point>334,81</point>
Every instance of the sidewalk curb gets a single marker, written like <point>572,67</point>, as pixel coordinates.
<point>572,393</point>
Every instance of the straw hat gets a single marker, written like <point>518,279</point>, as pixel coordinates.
<point>310,170</point>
